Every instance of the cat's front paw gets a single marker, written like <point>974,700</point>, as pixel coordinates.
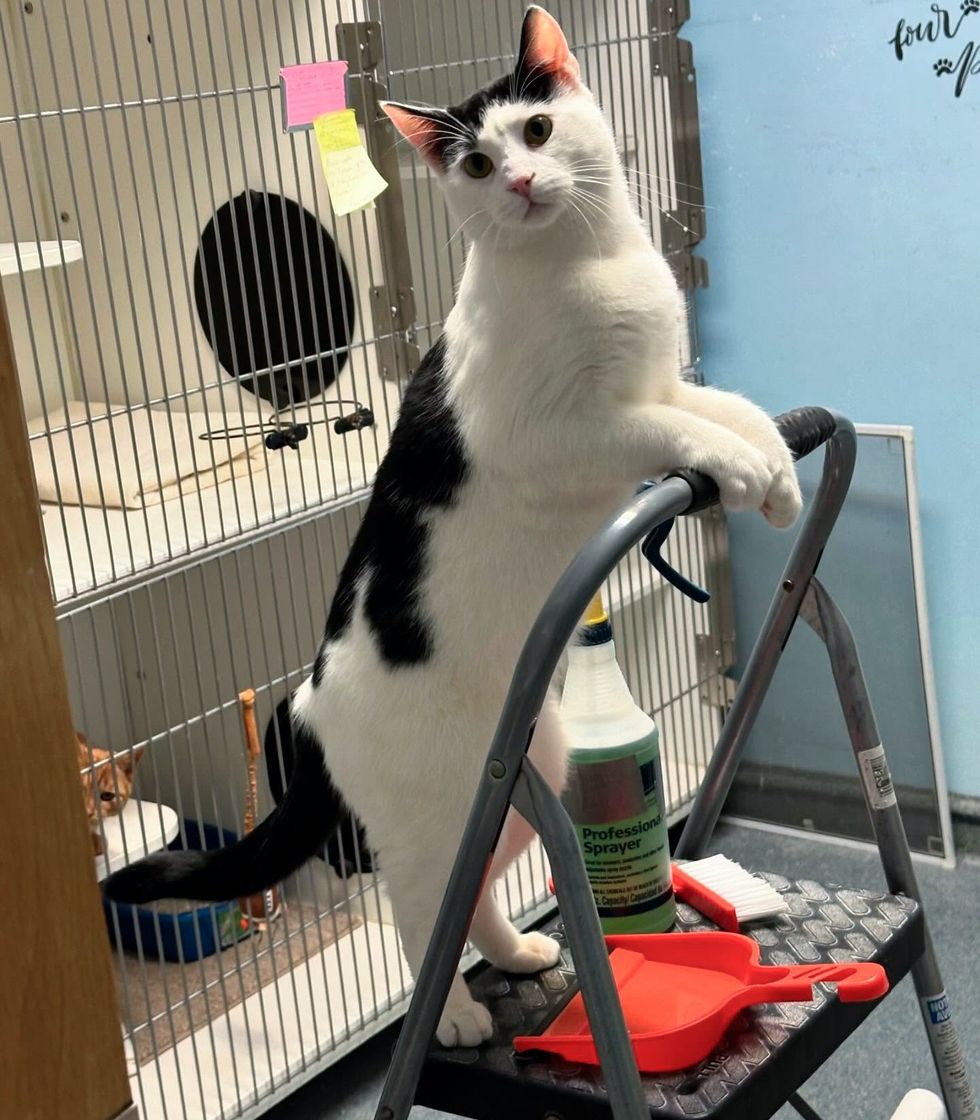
<point>464,1024</point>
<point>742,474</point>
<point>784,500</point>
<point>533,952</point>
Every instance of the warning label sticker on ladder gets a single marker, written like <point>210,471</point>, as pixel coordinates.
<point>948,1054</point>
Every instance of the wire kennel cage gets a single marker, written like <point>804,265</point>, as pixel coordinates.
<point>173,270</point>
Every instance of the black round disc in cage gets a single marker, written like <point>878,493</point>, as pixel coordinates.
<point>271,290</point>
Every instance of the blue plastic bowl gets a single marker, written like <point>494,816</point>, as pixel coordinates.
<point>180,937</point>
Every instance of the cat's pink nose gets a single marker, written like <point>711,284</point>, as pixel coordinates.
<point>521,185</point>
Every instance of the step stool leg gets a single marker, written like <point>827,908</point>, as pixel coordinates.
<point>438,970</point>
<point>776,628</point>
<point>825,618</point>
<point>798,1103</point>
<point>540,806</point>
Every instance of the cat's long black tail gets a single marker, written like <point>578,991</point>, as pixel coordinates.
<point>292,833</point>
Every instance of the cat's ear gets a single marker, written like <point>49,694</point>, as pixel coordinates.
<point>544,50</point>
<point>427,130</point>
<point>128,762</point>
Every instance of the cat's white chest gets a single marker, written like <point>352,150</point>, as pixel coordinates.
<point>546,335</point>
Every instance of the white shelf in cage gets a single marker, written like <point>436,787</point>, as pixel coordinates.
<point>141,828</point>
<point>28,256</point>
<point>89,547</point>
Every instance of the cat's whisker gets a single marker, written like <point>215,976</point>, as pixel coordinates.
<point>595,204</point>
<point>647,190</point>
<point>588,224</point>
<point>665,213</point>
<point>496,242</point>
<point>459,228</point>
<point>594,199</point>
<point>599,165</point>
<point>639,194</point>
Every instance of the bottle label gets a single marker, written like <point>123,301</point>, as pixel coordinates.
<point>618,810</point>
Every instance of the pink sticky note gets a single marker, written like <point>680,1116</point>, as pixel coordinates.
<point>309,91</point>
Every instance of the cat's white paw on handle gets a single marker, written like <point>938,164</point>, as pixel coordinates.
<point>464,1023</point>
<point>749,477</point>
<point>784,499</point>
<point>742,474</point>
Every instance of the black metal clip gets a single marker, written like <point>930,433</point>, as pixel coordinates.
<point>291,435</point>
<point>654,542</point>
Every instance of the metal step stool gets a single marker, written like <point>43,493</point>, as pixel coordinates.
<point>780,1051</point>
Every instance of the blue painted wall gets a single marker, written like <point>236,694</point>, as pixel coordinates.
<point>844,246</point>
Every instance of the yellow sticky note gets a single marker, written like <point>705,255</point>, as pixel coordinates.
<point>352,179</point>
<point>336,131</point>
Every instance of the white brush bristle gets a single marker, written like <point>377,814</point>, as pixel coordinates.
<point>752,897</point>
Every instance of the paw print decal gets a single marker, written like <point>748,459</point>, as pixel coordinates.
<point>945,65</point>
<point>970,6</point>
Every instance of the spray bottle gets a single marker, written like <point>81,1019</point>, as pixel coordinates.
<point>614,792</point>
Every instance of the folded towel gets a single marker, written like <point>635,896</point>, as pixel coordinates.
<point>137,457</point>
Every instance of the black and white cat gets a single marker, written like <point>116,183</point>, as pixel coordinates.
<point>554,390</point>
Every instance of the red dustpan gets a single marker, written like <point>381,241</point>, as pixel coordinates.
<point>680,992</point>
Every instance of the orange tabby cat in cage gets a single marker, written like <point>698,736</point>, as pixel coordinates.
<point>108,788</point>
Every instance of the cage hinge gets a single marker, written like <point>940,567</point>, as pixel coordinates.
<point>690,271</point>
<point>394,331</point>
<point>667,16</point>
<point>678,12</point>
<point>360,44</point>
<point>392,302</point>
<point>717,689</point>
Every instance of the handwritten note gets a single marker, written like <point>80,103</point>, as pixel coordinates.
<point>352,179</point>
<point>337,131</point>
<point>310,90</point>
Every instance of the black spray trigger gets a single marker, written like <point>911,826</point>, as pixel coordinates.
<point>654,542</point>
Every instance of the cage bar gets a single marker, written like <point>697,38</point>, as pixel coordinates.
<point>161,236</point>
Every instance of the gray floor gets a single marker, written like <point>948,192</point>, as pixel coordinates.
<point>865,1079</point>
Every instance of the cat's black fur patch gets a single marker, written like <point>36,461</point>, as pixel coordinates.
<point>293,832</point>
<point>320,664</point>
<point>423,469</point>
<point>523,85</point>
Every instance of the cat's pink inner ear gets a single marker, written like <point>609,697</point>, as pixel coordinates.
<point>421,131</point>
<point>545,48</point>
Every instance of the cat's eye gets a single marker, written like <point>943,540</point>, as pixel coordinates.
<point>107,795</point>
<point>477,165</point>
<point>537,129</point>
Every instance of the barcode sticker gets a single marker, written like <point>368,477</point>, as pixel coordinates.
<point>877,778</point>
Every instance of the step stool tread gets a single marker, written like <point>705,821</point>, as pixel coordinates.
<point>768,1053</point>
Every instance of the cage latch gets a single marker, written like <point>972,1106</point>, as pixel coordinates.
<point>654,542</point>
